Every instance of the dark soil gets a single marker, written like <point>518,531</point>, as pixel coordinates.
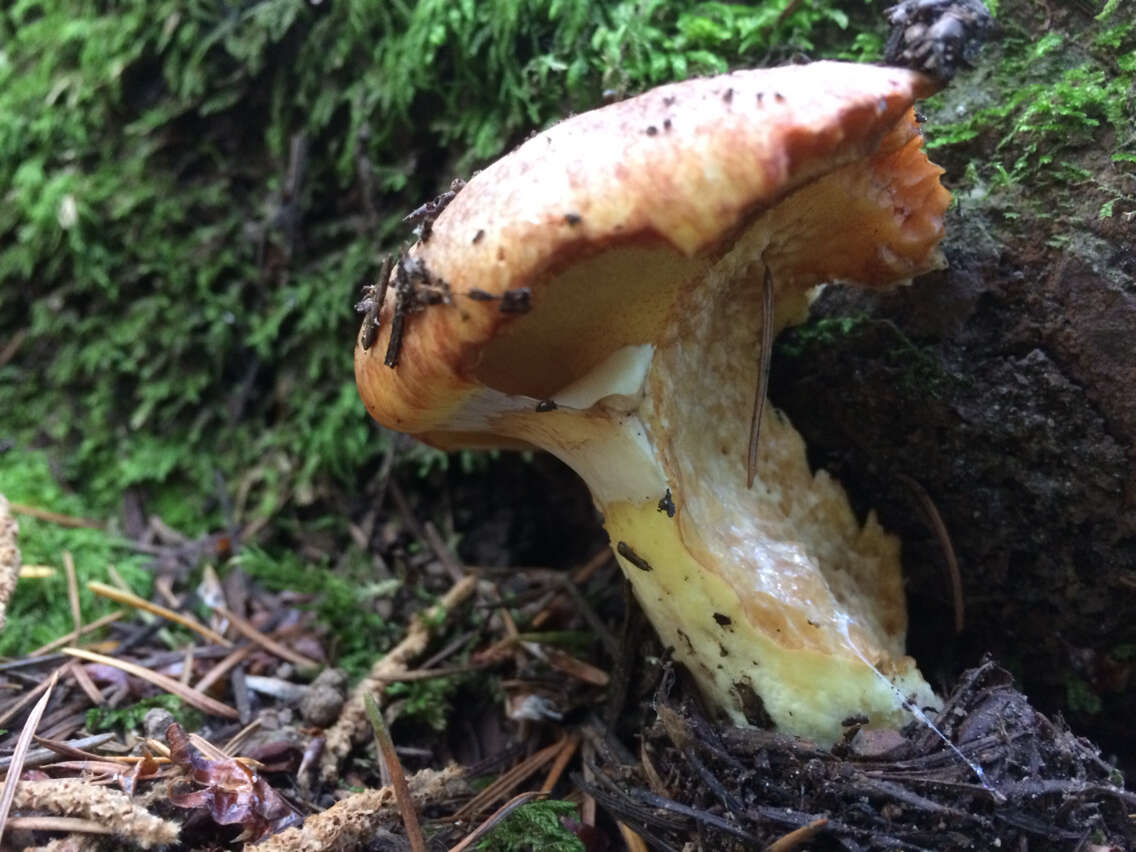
<point>1004,387</point>
<point>1041,786</point>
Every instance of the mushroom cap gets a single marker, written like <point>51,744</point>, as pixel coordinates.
<point>600,215</point>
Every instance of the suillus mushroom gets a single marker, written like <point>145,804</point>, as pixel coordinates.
<point>607,291</point>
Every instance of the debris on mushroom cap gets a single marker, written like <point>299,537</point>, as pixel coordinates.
<point>641,258</point>
<point>936,36</point>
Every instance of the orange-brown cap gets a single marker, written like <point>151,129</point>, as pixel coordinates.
<point>593,223</point>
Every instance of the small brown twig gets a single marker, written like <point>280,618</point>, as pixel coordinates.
<point>269,644</point>
<point>384,745</point>
<point>55,517</point>
<point>92,692</point>
<point>764,356</point>
<point>341,735</point>
<point>494,819</point>
<point>131,599</point>
<point>954,576</point>
<point>9,350</point>
<point>29,697</point>
<point>223,667</point>
<point>190,696</point>
<point>508,781</point>
<point>567,750</point>
<point>73,595</point>
<point>442,551</point>
<point>64,640</point>
<point>797,836</point>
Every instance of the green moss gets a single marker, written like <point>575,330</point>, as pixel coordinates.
<point>343,599</point>
<point>1048,106</point>
<point>426,701</point>
<point>918,372</point>
<point>39,611</point>
<point>1080,697</point>
<point>534,825</point>
<point>130,718</point>
<point>823,333</point>
<point>191,308</point>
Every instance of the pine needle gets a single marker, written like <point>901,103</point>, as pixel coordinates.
<point>954,576</point>
<point>131,599</point>
<point>269,644</point>
<point>765,354</point>
<point>21,751</point>
<point>187,694</point>
<point>385,747</point>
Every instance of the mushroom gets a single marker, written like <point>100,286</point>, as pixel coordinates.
<point>607,291</point>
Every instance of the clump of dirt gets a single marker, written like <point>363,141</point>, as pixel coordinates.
<point>1040,787</point>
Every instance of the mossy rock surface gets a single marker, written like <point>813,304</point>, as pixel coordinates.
<point>1003,384</point>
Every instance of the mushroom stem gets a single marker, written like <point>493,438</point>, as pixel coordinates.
<point>778,600</point>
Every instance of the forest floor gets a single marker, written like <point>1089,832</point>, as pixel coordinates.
<point>517,707</point>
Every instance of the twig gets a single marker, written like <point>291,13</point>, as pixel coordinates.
<point>571,743</point>
<point>634,842</point>
<point>58,823</point>
<point>585,609</point>
<point>340,736</point>
<point>63,640</point>
<point>764,355</point>
<point>12,780</point>
<point>426,534</point>
<point>187,666</point>
<point>495,818</point>
<point>112,808</point>
<point>9,350</point>
<point>223,667</point>
<point>55,517</point>
<point>384,745</point>
<point>797,836</point>
<point>52,749</point>
<point>378,294</point>
<point>944,537</point>
<point>131,599</point>
<point>444,554</point>
<point>267,642</point>
<point>398,315</point>
<point>704,817</point>
<point>507,781</point>
<point>73,595</point>
<point>77,671</point>
<point>190,696</point>
<point>28,698</point>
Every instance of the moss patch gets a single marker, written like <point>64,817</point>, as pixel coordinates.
<point>39,611</point>
<point>1038,113</point>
